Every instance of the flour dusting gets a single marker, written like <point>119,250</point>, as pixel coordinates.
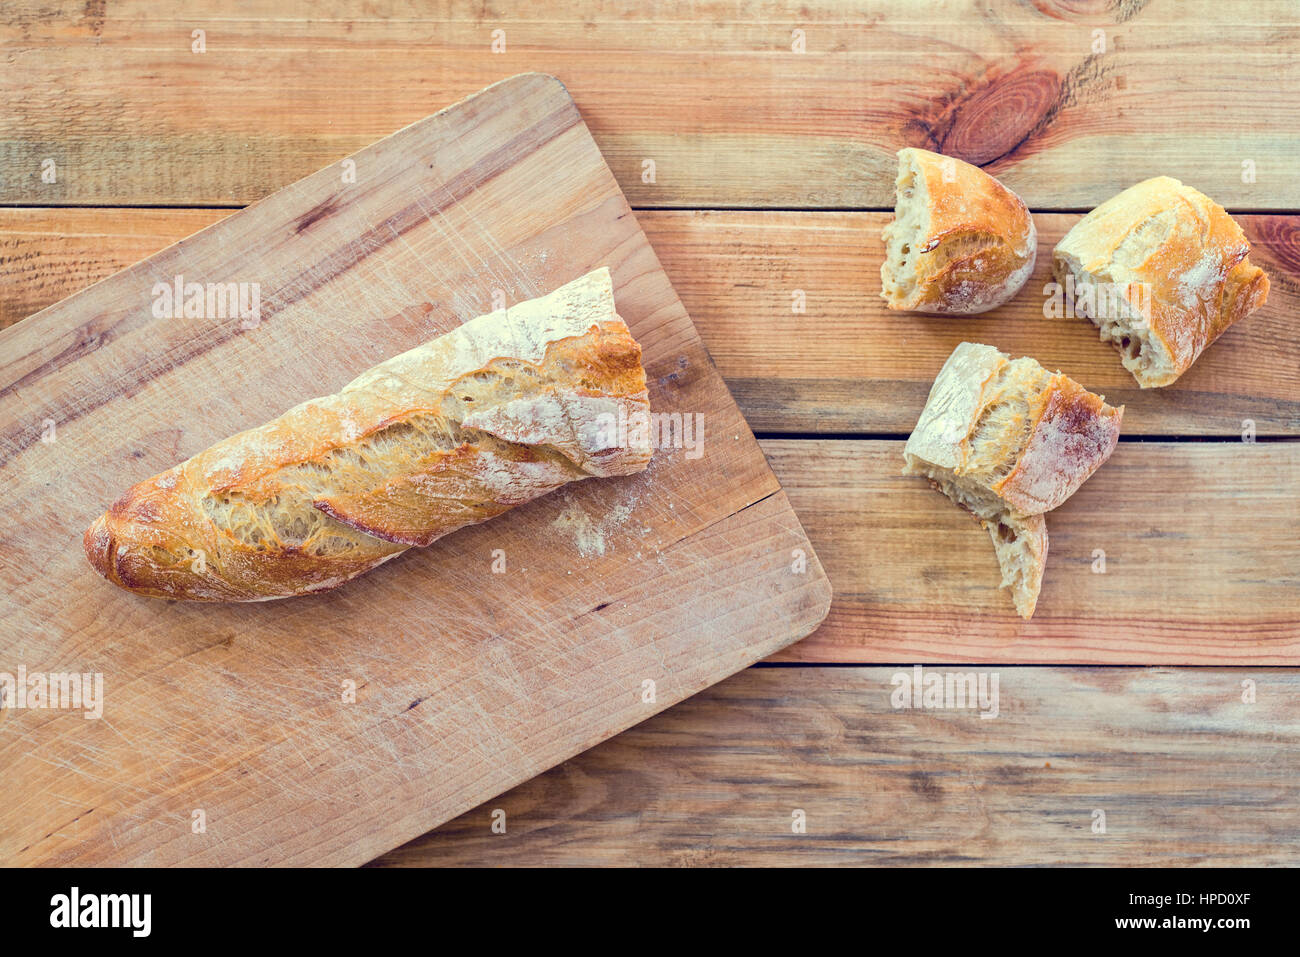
<point>591,534</point>
<point>1203,279</point>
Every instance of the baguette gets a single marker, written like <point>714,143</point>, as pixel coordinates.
<point>504,409</point>
<point>960,242</point>
<point>1162,271</point>
<point>1008,441</point>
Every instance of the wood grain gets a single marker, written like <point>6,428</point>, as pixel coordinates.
<point>466,681</point>
<point>1210,509</point>
<point>47,255</point>
<point>714,93</point>
<point>849,365</point>
<point>844,365</point>
<point>1202,560</point>
<point>1185,771</point>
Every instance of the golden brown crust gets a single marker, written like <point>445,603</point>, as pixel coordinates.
<point>1074,432</point>
<point>971,248</point>
<point>398,511</point>
<point>1175,268</point>
<point>503,409</point>
<point>1246,289</point>
<point>1013,434</point>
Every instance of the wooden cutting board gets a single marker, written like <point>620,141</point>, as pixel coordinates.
<point>229,734</point>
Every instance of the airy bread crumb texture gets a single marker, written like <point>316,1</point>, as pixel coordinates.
<point>904,236</point>
<point>1020,542</point>
<point>1117,312</point>
<point>1162,271</point>
<point>960,242</point>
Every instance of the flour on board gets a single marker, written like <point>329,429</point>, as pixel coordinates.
<point>591,535</point>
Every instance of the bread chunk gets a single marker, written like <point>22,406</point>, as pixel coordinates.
<point>960,242</point>
<point>1008,441</point>
<point>1162,271</point>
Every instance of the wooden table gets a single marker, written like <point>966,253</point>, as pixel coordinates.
<point>756,141</point>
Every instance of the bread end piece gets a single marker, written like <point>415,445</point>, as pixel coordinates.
<point>960,243</point>
<point>158,542</point>
<point>1162,271</point>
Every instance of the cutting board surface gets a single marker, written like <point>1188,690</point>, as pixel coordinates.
<point>331,728</point>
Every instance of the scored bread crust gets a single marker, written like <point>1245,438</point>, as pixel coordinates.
<point>1015,434</point>
<point>1178,267</point>
<point>505,408</point>
<point>960,242</point>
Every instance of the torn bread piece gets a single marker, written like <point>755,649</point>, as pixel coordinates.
<point>1006,433</point>
<point>1020,542</point>
<point>1162,271</point>
<point>1007,440</point>
<point>960,243</point>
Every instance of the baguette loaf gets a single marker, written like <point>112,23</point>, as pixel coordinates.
<point>1007,441</point>
<point>1162,271</point>
<point>505,408</point>
<point>960,242</point>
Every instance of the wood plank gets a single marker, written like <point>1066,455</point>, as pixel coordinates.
<point>47,255</point>
<point>847,364</point>
<point>1186,773</point>
<point>1202,560</point>
<point>714,94</point>
<point>467,681</point>
<point>850,365</point>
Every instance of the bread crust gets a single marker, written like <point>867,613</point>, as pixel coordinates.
<point>975,242</point>
<point>1009,441</point>
<point>1043,453</point>
<point>1177,261</point>
<point>501,410</point>
<point>1073,433</point>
